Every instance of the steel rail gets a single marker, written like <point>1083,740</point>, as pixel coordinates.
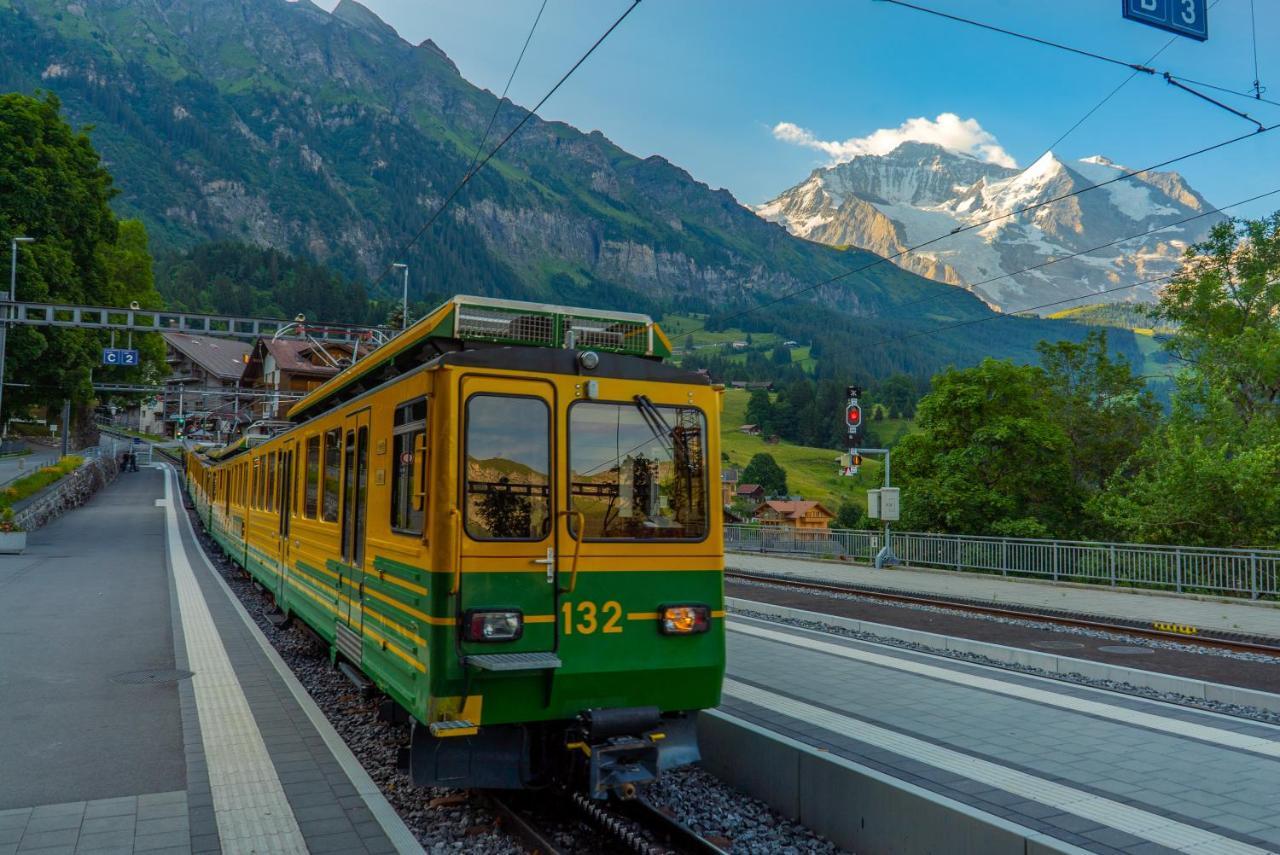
<point>1247,644</point>
<point>636,825</point>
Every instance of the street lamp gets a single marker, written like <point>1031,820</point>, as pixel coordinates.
<point>8,309</point>
<point>404,308</point>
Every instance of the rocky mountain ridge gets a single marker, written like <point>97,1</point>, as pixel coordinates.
<point>279,124</point>
<point>919,191</point>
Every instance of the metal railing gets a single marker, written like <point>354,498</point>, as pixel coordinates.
<point>1249,573</point>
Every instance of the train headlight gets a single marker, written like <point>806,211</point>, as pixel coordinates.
<point>684,620</point>
<point>493,626</point>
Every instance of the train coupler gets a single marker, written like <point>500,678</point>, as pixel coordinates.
<point>627,747</point>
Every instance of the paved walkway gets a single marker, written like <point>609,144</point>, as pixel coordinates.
<point>1250,618</point>
<point>143,711</point>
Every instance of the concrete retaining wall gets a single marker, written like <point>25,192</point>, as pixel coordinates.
<point>854,806</point>
<point>1045,661</point>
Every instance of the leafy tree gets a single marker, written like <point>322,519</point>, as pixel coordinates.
<point>760,411</point>
<point>762,469</point>
<point>781,355</point>
<point>989,457</point>
<point>1225,303</point>
<point>1211,474</point>
<point>54,188</point>
<point>898,393</point>
<point>850,515</point>
<point>1101,405</point>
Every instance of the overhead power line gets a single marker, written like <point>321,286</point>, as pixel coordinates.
<point>484,138</point>
<point>1174,79</point>
<point>1015,312</point>
<point>971,226</point>
<point>1060,258</point>
<point>466,179</point>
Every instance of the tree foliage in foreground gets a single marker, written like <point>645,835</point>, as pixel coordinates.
<point>762,469</point>
<point>1077,448</point>
<point>53,188</point>
<point>1011,450</point>
<point>1211,474</point>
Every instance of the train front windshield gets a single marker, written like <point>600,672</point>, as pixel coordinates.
<point>638,471</point>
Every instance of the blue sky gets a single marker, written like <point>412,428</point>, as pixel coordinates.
<point>705,82</point>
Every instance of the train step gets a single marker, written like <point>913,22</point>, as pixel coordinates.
<point>512,661</point>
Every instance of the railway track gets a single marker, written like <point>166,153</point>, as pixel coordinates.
<point>1160,630</point>
<point>635,826</point>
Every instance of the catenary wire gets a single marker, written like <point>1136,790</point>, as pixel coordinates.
<point>971,226</point>
<point>1207,213</point>
<point>453,194</point>
<point>484,138</point>
<point>1253,26</point>
<point>1135,66</point>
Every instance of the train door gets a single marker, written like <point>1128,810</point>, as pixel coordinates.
<point>508,549</point>
<point>286,511</point>
<point>355,493</point>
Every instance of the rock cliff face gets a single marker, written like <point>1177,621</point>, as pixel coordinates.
<point>283,125</point>
<point>887,203</point>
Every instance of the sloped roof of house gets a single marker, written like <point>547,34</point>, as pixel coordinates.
<point>729,476</point>
<point>222,357</point>
<point>793,508</point>
<point>748,489</point>
<point>294,355</point>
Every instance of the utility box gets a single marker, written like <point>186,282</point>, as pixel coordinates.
<point>873,504</point>
<point>889,504</point>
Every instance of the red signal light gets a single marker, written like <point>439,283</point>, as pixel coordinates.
<point>853,415</point>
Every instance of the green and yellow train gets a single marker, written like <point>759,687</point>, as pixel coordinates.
<point>508,519</point>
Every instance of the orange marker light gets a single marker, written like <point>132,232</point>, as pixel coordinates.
<point>684,620</point>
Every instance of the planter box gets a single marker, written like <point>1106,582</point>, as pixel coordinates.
<point>12,542</point>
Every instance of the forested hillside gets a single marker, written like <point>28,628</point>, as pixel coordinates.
<point>327,137</point>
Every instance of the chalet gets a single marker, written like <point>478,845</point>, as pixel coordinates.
<point>750,430</point>
<point>728,485</point>
<point>286,369</point>
<point>202,389</point>
<point>798,514</point>
<point>753,493</point>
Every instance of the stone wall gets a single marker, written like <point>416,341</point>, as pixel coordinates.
<point>71,491</point>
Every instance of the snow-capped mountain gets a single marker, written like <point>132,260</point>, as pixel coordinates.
<point>919,191</point>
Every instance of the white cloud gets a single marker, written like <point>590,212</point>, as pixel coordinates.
<point>948,130</point>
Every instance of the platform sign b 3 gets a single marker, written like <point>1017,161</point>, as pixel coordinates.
<point>1185,17</point>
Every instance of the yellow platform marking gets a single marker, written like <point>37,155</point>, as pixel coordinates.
<point>1180,628</point>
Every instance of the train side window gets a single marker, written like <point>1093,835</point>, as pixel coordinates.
<point>311,490</point>
<point>257,482</point>
<point>508,468</point>
<point>269,494</point>
<point>409,467</point>
<point>332,474</point>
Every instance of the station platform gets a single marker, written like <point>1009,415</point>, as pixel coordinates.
<point>1130,604</point>
<point>143,711</point>
<point>1077,769</point>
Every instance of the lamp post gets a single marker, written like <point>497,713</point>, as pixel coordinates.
<point>404,306</point>
<point>8,308</point>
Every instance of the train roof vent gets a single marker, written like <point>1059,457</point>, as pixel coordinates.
<point>545,325</point>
